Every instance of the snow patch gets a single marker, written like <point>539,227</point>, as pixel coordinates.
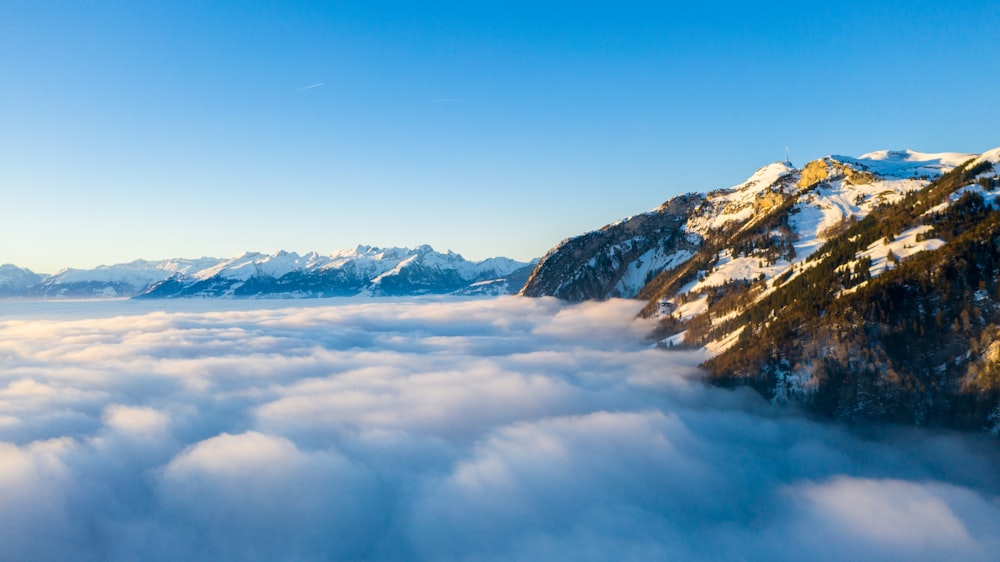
<point>638,273</point>
<point>729,269</point>
<point>692,308</point>
<point>902,247</point>
<point>716,347</point>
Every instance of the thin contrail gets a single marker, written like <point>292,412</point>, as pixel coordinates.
<point>316,85</point>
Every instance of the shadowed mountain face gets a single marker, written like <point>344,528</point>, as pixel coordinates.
<point>865,288</point>
<point>619,259</point>
<point>16,280</point>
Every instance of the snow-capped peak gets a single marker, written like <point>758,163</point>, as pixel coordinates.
<point>255,264</point>
<point>13,278</point>
<point>137,273</point>
<point>907,163</point>
<point>767,175</point>
<point>738,204</point>
<point>908,155</point>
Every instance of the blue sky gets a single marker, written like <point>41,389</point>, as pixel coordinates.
<point>168,129</point>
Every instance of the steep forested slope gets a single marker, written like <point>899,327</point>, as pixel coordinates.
<point>865,288</point>
<point>916,344</point>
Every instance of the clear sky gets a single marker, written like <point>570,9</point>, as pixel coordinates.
<point>156,129</point>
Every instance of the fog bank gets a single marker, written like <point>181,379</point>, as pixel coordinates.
<point>490,429</point>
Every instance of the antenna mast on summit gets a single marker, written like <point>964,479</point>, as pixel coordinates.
<point>786,156</point>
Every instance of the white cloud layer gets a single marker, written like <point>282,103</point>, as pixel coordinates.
<point>440,430</point>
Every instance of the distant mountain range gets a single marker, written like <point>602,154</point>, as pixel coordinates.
<point>364,270</point>
<point>865,288</point>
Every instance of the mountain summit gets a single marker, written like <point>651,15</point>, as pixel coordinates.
<point>865,288</point>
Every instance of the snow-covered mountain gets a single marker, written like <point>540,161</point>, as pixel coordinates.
<point>620,259</point>
<point>16,280</point>
<point>774,279</point>
<point>109,281</point>
<point>364,270</point>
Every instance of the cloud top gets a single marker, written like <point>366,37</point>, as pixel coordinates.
<point>441,429</point>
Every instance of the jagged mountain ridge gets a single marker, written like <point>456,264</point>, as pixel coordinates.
<point>365,270</point>
<point>119,280</point>
<point>779,258</point>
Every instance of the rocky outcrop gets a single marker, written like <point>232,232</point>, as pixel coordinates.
<point>829,169</point>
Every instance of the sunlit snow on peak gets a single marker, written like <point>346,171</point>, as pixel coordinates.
<point>991,156</point>
<point>908,163</point>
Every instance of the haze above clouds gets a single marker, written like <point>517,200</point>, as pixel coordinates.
<point>495,429</point>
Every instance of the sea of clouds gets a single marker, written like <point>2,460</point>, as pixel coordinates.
<point>496,429</point>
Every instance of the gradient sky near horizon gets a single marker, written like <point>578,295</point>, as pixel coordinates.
<point>162,129</point>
